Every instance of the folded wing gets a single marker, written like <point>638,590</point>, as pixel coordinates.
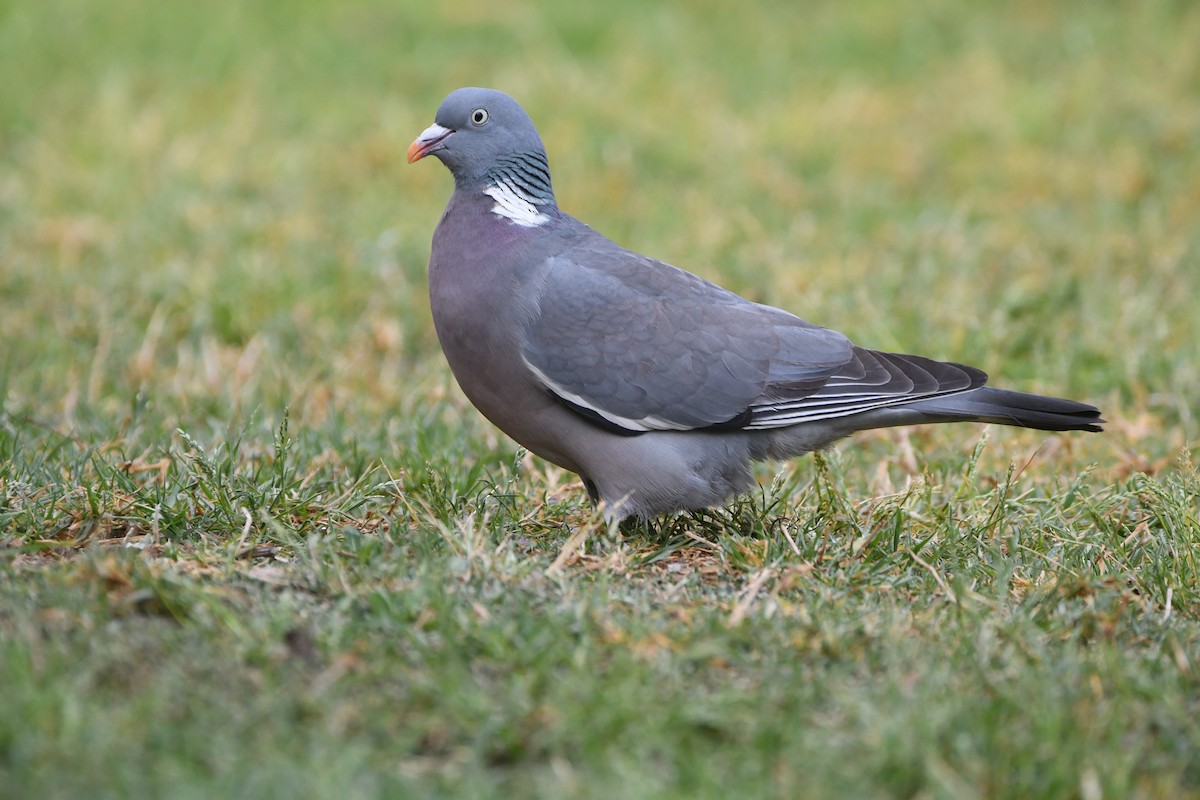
<point>637,345</point>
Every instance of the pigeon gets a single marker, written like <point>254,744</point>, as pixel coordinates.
<point>657,387</point>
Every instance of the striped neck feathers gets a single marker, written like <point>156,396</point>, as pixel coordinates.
<point>520,185</point>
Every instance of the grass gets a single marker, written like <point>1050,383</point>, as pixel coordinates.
<point>254,543</point>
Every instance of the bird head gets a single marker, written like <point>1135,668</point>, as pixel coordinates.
<point>475,129</point>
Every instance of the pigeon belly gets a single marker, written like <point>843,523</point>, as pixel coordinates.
<point>474,295</point>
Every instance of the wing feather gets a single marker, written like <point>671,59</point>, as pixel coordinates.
<point>637,345</point>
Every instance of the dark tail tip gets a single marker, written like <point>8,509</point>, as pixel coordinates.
<point>1019,409</point>
<point>1037,411</point>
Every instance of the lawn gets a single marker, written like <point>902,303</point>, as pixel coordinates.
<point>255,543</point>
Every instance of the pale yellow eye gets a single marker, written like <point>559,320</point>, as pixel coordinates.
<point>479,116</point>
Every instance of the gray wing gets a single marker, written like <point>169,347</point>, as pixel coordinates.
<point>638,345</point>
<point>870,379</point>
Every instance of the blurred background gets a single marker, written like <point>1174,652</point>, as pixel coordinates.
<point>205,208</point>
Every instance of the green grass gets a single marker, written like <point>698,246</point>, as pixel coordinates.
<point>255,543</point>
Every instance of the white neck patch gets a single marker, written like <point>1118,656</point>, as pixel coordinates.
<point>513,206</point>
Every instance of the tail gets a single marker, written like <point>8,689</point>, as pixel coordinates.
<point>1003,407</point>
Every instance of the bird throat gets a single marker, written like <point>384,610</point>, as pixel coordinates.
<point>520,185</point>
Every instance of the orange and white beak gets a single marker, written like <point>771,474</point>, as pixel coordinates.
<point>430,140</point>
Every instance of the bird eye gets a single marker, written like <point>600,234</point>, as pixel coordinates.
<point>479,116</point>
